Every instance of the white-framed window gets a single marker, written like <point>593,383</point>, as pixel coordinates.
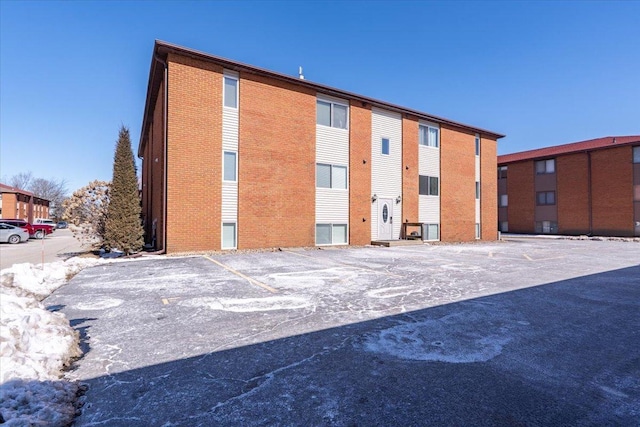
<point>636,154</point>
<point>230,166</point>
<point>331,234</point>
<point>385,146</point>
<point>477,144</point>
<point>429,135</point>
<point>229,235</point>
<point>504,200</point>
<point>502,172</point>
<point>477,189</point>
<point>545,198</point>
<point>331,176</point>
<point>428,185</point>
<point>431,232</point>
<point>333,114</point>
<point>504,226</point>
<point>546,227</point>
<point>545,166</point>
<point>477,230</point>
<point>230,92</point>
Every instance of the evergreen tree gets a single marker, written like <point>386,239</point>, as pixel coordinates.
<point>123,228</point>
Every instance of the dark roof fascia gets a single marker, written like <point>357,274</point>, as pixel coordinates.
<point>162,49</point>
<point>565,153</point>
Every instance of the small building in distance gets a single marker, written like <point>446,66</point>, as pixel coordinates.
<point>585,188</point>
<point>21,204</point>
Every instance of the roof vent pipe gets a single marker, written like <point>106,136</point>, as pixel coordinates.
<point>300,75</point>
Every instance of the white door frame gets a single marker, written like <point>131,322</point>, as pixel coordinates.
<point>385,227</point>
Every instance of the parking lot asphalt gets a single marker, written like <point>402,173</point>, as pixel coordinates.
<point>58,246</point>
<point>522,332</point>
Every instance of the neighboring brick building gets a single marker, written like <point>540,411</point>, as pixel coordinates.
<point>590,187</point>
<point>21,204</point>
<point>234,156</point>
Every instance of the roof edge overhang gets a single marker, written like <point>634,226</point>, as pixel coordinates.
<point>162,49</point>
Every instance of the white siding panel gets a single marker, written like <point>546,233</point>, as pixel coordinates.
<point>386,170</point>
<point>332,206</point>
<point>230,129</point>
<point>477,210</point>
<point>429,209</point>
<point>429,161</point>
<point>229,201</point>
<point>332,145</point>
<point>477,168</point>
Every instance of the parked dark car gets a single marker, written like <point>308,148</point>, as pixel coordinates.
<point>36,231</point>
<point>62,224</point>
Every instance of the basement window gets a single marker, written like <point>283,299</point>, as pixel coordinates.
<point>331,234</point>
<point>229,235</point>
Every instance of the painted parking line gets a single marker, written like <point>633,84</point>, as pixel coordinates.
<point>247,278</point>
<point>166,301</point>
<point>348,265</point>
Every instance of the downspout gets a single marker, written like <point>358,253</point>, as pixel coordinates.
<point>166,138</point>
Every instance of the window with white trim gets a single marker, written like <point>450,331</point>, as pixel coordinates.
<point>545,198</point>
<point>230,92</point>
<point>229,236</point>
<point>546,227</point>
<point>502,172</point>
<point>477,144</point>
<point>331,176</point>
<point>428,185</point>
<point>504,200</point>
<point>429,135</point>
<point>504,226</point>
<point>331,114</point>
<point>477,189</point>
<point>636,154</point>
<point>385,146</point>
<point>545,166</point>
<point>477,230</point>
<point>331,234</point>
<point>230,166</point>
<point>431,232</point>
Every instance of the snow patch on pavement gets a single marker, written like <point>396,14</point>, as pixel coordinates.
<point>247,305</point>
<point>99,304</point>
<point>441,340</point>
<point>36,345</point>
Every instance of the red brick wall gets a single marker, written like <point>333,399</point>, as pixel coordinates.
<point>194,155</point>
<point>488,189</point>
<point>276,185</point>
<point>359,174</point>
<point>612,191</point>
<point>572,195</point>
<point>457,185</point>
<point>9,206</point>
<point>410,169</point>
<point>521,194</point>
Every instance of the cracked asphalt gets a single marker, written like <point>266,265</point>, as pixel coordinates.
<point>521,332</point>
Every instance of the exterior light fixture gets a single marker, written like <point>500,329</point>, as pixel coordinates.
<point>398,199</point>
<point>374,198</point>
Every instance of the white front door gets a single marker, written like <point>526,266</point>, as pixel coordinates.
<point>385,219</point>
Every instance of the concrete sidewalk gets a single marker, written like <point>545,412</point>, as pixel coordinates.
<point>525,332</point>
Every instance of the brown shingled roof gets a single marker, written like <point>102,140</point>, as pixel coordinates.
<point>589,145</point>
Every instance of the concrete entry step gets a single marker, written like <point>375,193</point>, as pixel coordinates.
<point>389,243</point>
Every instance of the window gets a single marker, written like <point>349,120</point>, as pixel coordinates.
<point>546,227</point>
<point>636,154</point>
<point>331,234</point>
<point>230,92</point>
<point>504,226</point>
<point>502,172</point>
<point>429,135</point>
<point>331,114</point>
<point>545,166</point>
<point>431,232</point>
<point>385,145</point>
<point>504,200</point>
<point>331,176</point>
<point>477,230</point>
<point>229,235</point>
<point>477,189</point>
<point>546,198</point>
<point>636,193</point>
<point>477,144</point>
<point>229,166</point>
<point>428,185</point>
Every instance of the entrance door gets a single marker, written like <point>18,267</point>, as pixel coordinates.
<point>385,219</point>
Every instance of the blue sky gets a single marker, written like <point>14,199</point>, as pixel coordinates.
<point>543,73</point>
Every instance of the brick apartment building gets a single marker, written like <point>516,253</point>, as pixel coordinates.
<point>234,156</point>
<point>590,187</point>
<point>21,204</point>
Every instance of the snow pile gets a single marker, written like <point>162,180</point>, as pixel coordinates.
<point>36,345</point>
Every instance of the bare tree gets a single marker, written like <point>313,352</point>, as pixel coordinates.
<point>21,180</point>
<point>86,210</point>
<point>52,190</point>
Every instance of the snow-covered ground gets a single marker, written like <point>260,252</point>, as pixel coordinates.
<point>36,345</point>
